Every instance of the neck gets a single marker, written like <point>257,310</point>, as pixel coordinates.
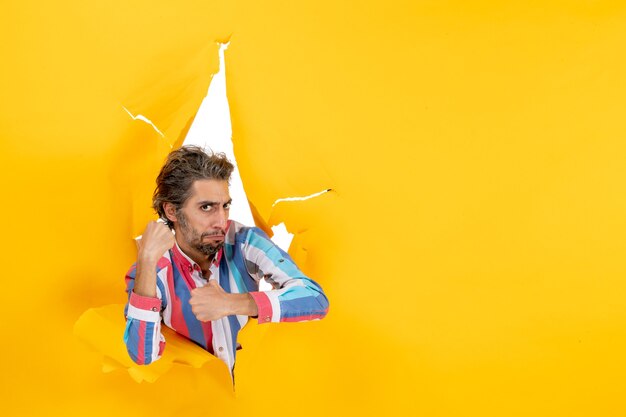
<point>204,261</point>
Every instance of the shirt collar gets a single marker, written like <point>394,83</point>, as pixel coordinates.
<point>182,259</point>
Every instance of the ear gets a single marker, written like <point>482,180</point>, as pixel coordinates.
<point>170,211</point>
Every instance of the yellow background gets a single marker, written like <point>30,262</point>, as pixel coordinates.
<point>472,246</point>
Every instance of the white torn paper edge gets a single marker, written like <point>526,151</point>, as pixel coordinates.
<point>306,197</point>
<point>144,119</point>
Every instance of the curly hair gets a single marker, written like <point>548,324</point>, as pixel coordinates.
<point>182,167</point>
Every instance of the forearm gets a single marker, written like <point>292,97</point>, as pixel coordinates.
<point>145,280</point>
<point>302,300</point>
<point>156,240</point>
<point>295,297</point>
<point>242,304</point>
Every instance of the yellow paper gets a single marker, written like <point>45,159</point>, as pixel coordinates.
<point>471,246</point>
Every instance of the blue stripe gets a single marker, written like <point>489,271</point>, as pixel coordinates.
<point>234,327</point>
<point>126,330</point>
<point>163,297</point>
<point>303,306</point>
<point>194,326</point>
<point>260,240</point>
<point>147,350</point>
<point>225,284</point>
<point>129,289</point>
<point>251,284</point>
<point>279,257</point>
<point>132,344</point>
<point>224,281</point>
<point>132,271</point>
<point>295,293</point>
<point>228,252</point>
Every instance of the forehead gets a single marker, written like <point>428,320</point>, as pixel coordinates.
<point>209,190</point>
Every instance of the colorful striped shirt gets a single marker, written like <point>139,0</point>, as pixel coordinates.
<point>248,256</point>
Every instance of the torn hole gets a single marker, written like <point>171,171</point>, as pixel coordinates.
<point>282,238</point>
<point>212,129</point>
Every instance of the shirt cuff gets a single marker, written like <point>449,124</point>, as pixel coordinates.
<point>144,308</point>
<point>264,306</point>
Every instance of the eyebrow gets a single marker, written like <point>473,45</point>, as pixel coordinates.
<point>213,203</point>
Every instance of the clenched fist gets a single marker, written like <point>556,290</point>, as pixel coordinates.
<point>209,302</point>
<point>155,241</point>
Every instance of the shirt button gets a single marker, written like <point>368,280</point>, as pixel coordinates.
<point>220,348</point>
<point>154,309</point>
<point>267,318</point>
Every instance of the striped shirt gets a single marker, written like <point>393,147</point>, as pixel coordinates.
<point>247,256</point>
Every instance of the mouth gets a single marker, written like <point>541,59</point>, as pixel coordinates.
<point>213,236</point>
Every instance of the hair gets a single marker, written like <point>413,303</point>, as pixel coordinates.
<point>182,167</point>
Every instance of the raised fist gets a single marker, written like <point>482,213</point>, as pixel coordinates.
<point>155,241</point>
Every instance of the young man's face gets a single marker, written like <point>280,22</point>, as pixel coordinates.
<point>200,224</point>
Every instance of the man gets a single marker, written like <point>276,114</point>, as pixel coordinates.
<point>203,280</point>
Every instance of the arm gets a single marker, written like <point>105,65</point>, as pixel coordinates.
<point>211,302</point>
<point>295,297</point>
<point>143,338</point>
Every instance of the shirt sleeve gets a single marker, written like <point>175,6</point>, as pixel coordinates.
<point>143,338</point>
<point>295,296</point>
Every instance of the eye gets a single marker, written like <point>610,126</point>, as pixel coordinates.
<point>227,206</point>
<point>206,207</point>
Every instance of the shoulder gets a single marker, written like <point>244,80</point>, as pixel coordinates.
<point>240,233</point>
<point>252,241</point>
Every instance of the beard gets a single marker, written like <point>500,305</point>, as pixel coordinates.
<point>194,238</point>
<point>209,249</point>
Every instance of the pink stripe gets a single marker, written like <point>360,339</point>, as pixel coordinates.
<point>141,356</point>
<point>184,267</point>
<point>163,262</point>
<point>145,303</point>
<point>161,347</point>
<point>263,305</point>
<point>177,319</point>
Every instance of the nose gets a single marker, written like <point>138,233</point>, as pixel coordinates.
<point>221,218</point>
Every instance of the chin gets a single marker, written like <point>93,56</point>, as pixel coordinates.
<point>210,249</point>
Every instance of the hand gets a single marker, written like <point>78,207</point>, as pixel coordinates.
<point>155,241</point>
<point>209,302</point>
